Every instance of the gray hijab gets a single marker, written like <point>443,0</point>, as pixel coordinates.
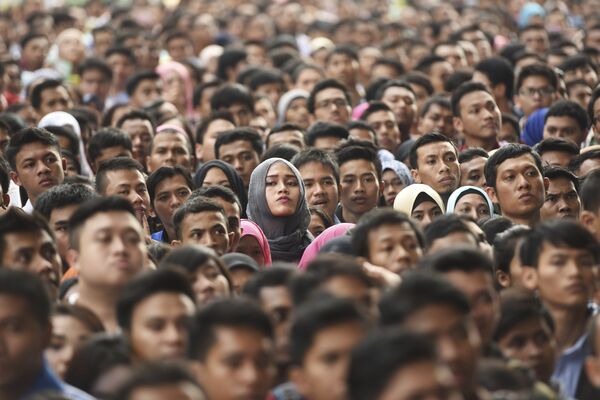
<point>288,236</point>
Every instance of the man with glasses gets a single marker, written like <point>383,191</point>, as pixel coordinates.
<point>536,87</point>
<point>330,101</point>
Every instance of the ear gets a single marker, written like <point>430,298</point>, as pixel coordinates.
<point>592,369</point>
<point>492,193</point>
<point>15,178</point>
<point>381,187</point>
<point>72,257</point>
<point>175,243</point>
<point>588,219</point>
<point>415,175</point>
<point>64,163</point>
<point>198,151</point>
<point>503,279</point>
<point>529,278</point>
<point>458,124</point>
<point>5,200</point>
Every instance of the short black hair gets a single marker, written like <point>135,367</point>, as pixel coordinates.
<point>392,63</point>
<point>322,85</point>
<point>505,245</point>
<point>230,94</point>
<point>588,192</point>
<point>445,225</point>
<point>247,134</point>
<point>571,109</point>
<point>464,259</point>
<point>270,277</point>
<point>462,91</point>
<point>5,176</point>
<point>498,70</point>
<point>556,144</point>
<point>590,107</point>
<point>579,159</point>
<point>425,63</point>
<point>536,70</point>
<point>471,153</point>
<point>228,313</point>
<point>556,172</point>
<point>319,156</point>
<point>31,289</point>
<point>229,59</point>
<point>358,150</point>
<point>122,51</point>
<point>114,164</point>
<point>68,133</point>
<point>163,173</point>
<point>437,100</point>
<point>428,138</point>
<point>194,206</point>
<point>456,79</point>
<point>511,150</point>
<point>283,128</point>
<point>557,233</point>
<point>264,77</point>
<point>576,61</point>
<point>390,84</point>
<point>225,193</point>
<point>136,114</point>
<point>148,284</point>
<point>517,308</point>
<point>420,79</point>
<point>63,195</point>
<point>313,317</point>
<point>206,122</point>
<point>15,220</point>
<point>29,36</point>
<point>95,64</point>
<point>134,80</point>
<point>322,129</point>
<point>105,138</point>
<point>376,218</point>
<point>375,106</point>
<point>373,365</point>
<point>27,136</point>
<point>346,50</point>
<point>281,150</point>
<point>199,91</point>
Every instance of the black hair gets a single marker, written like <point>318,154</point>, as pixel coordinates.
<point>373,365</point>
<point>445,225</point>
<point>571,109</point>
<point>463,259</point>
<point>14,121</point>
<point>494,225</point>
<point>199,90</point>
<point>5,176</point>
<point>66,132</point>
<point>229,59</point>
<point>358,150</point>
<point>438,100</point>
<point>392,63</point>
<point>590,107</point>
<point>282,150</point>
<point>319,156</point>
<point>206,122</point>
<point>390,84</point>
<point>420,79</point>
<point>148,284</point>
<point>376,218</point>
<point>63,195</point>
<point>428,138</point>
<point>177,34</point>
<point>164,173</point>
<point>136,114</point>
<point>95,64</point>
<point>456,79</point>
<point>588,192</point>
<point>229,313</point>
<point>322,85</point>
<point>114,164</point>
<point>359,124</point>
<point>553,172</point>
<point>505,245</point>
<point>325,129</point>
<point>29,36</point>
<point>462,91</point>
<point>576,61</point>
<point>557,233</point>
<point>471,153</point>
<point>194,206</point>
<point>36,92</point>
<point>270,277</point>
<point>345,50</point>
<point>134,81</point>
<point>536,70</point>
<point>283,128</point>
<point>27,136</point>
<point>517,308</point>
<point>424,64</point>
<point>246,134</point>
<point>230,94</point>
<point>222,192</point>
<point>265,77</point>
<point>105,138</point>
<point>29,288</point>
<point>556,144</point>
<point>579,159</point>
<point>122,51</point>
<point>511,150</point>
<point>498,70</point>
<point>375,106</point>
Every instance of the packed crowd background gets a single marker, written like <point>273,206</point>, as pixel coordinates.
<point>318,200</point>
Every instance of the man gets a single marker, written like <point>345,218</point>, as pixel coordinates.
<point>567,120</point>
<point>497,74</point>
<point>330,101</point>
<point>452,52</point>
<point>586,162</point>
<point>515,182</point>
<point>207,133</point>
<point>143,89</point>
<point>435,116</point>
<point>434,161</point>
<point>286,134</point>
<point>401,99</point>
<point>381,118</point>
<point>153,312</point>
<point>472,161</point>
<point>36,162</point>
<point>561,200</point>
<point>557,151</point>
<point>437,70</point>
<point>360,180</point>
<point>168,189</point>
<point>322,336</point>
<point>171,147</point>
<point>235,99</point>
<point>536,87</point>
<point>590,202</point>
<point>321,177</point>
<point>96,77</point>
<point>227,330</point>
<point>26,332</point>
<point>34,50</point>
<point>122,63</point>
<point>48,96</point>
<point>326,136</point>
<point>535,38</point>
<point>342,64</point>
<point>202,221</point>
<point>106,144</point>
<point>242,149</point>
<point>559,258</point>
<point>141,129</point>
<point>508,267</point>
<point>476,116</point>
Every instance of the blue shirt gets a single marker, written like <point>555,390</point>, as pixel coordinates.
<point>47,381</point>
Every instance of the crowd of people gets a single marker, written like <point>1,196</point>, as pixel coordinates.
<point>312,200</point>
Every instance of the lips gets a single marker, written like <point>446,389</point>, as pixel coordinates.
<point>46,182</point>
<point>448,180</point>
<point>576,288</point>
<point>526,197</point>
<point>359,200</point>
<point>283,199</point>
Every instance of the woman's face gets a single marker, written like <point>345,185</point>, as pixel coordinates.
<point>216,177</point>
<point>209,283</point>
<point>425,213</point>
<point>68,334</point>
<point>282,190</point>
<point>393,186</point>
<point>297,113</point>
<point>473,205</point>
<point>317,226</point>
<point>173,88</point>
<point>250,247</point>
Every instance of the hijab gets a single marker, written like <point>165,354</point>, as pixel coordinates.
<point>406,200</point>
<point>288,236</point>
<point>328,234</point>
<point>464,190</point>
<point>173,66</point>
<point>533,132</point>
<point>249,228</point>
<point>235,181</point>
<point>400,169</point>
<point>286,100</point>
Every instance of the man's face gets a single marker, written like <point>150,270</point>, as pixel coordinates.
<point>562,200</point>
<point>322,375</point>
<point>22,340</point>
<point>276,302</point>
<point>320,186</point>
<point>159,327</point>
<point>240,155</point>
<point>535,93</point>
<point>122,68</point>
<point>437,119</point>
<point>439,74</point>
<point>395,247</point>
<point>560,158</point>
<point>169,149</point>
<point>384,123</point>
<point>456,337</point>
<point>293,137</point>
<point>242,115</point>
<point>584,72</point>
<point>331,106</point>
<point>179,49</point>
<point>480,117</point>
<point>581,93</point>
<point>109,153</point>
<point>234,216</point>
<point>438,167</point>
<point>588,166</point>
<point>111,250</point>
<point>403,104</point>
<point>343,68</point>
<point>39,167</point>
<point>454,54</point>
<point>471,172</point>
<point>54,99</point>
<point>565,128</point>
<point>146,93</point>
<point>141,132</point>
<point>34,252</point>
<point>131,185</point>
<point>359,186</point>
<point>536,41</point>
<point>59,223</point>
<point>420,380</point>
<point>206,150</point>
<point>241,357</point>
<point>206,228</point>
<point>35,52</point>
<point>93,81</point>
<point>519,188</point>
<point>169,195</point>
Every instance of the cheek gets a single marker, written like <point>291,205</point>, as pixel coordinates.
<point>222,286</point>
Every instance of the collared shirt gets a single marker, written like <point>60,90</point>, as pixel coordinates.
<point>47,381</point>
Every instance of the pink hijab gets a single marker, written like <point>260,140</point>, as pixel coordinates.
<point>252,229</point>
<point>173,66</point>
<point>313,249</point>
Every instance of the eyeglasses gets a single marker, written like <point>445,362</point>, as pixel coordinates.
<point>338,103</point>
<point>543,92</point>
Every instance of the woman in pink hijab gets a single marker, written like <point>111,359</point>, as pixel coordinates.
<point>177,86</point>
<point>254,243</point>
<point>315,246</point>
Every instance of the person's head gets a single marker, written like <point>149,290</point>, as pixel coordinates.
<point>330,101</point>
<point>559,258</point>
<point>360,179</point>
<point>586,162</point>
<point>561,200</point>
<point>515,181</point>
<point>567,120</point>
<point>395,177</point>
<point>434,162</point>
<point>536,87</point>
<point>286,134</point>
<point>447,231</point>
<point>421,203</point>
<point>590,202</point>
<point>498,75</point>
<point>108,143</point>
<point>34,49</point>
<point>383,120</point>
<point>436,116</point>
<point>323,334</point>
<point>470,201</point>
<point>230,63</point>
<point>525,332</point>
<point>388,238</point>
<point>411,371</point>
<point>242,149</point>
<point>140,127</point>
<point>557,151</point>
<point>591,363</point>
<point>143,88</point>
<point>472,162</point>
<point>48,96</point>
<point>437,70</point>
<point>326,136</point>
<point>96,77</point>
<point>507,260</point>
<point>106,243</point>
<point>535,38</point>
<point>342,64</point>
<point>235,99</point>
<point>228,330</point>
<point>401,98</point>
<point>580,66</point>
<point>168,189</point>
<point>34,156</point>
<point>153,311</point>
<point>124,177</point>
<point>170,146</point>
<point>476,114</point>
<point>208,131</point>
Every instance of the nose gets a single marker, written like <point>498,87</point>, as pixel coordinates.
<point>523,182</point>
<point>175,202</point>
<point>249,374</point>
<point>207,240</point>
<point>237,164</point>
<point>43,168</point>
<point>427,218</point>
<point>447,350</point>
<point>173,334</point>
<point>563,206</point>
<point>401,253</point>
<point>118,245</point>
<point>532,350</point>
<point>135,198</point>
<point>42,265</point>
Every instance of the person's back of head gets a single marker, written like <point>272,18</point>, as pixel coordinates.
<point>64,195</point>
<point>498,70</point>
<point>325,129</point>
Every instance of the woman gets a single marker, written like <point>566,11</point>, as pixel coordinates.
<point>293,109</point>
<point>472,201</point>
<point>178,88</point>
<point>219,173</point>
<point>396,177</point>
<point>254,243</point>
<point>326,236</point>
<point>209,277</point>
<point>420,202</point>
<point>277,203</point>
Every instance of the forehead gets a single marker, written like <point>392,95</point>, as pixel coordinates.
<point>171,183</point>
<point>379,115</point>
<point>398,91</point>
<point>231,209</point>
<point>471,198</point>
<point>203,219</point>
<point>33,238</point>
<point>475,97</point>
<point>123,176</point>
<point>280,168</point>
<point>435,148</point>
<point>437,108</point>
<point>520,162</point>
<point>219,125</point>
<point>36,149</point>
<point>170,137</point>
<point>236,146</point>
<point>358,166</point>
<point>315,168</point>
<point>474,163</point>
<point>329,92</point>
<point>433,318</point>
<point>536,80</point>
<point>112,220</point>
<point>563,120</point>
<point>560,182</point>
<point>135,124</point>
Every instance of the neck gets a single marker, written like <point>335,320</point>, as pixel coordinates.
<point>570,324</point>
<point>349,216</point>
<point>101,301</point>
<point>16,390</point>
<point>504,105</point>
<point>530,221</point>
<point>486,144</point>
